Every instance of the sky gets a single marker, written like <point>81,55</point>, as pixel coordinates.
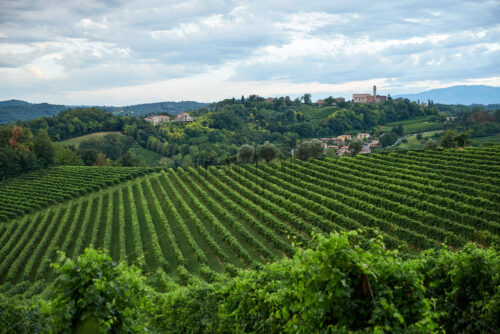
<point>86,52</point>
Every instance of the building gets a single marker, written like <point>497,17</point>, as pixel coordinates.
<point>375,143</point>
<point>343,150</point>
<point>340,99</point>
<point>157,119</point>
<point>269,100</point>
<point>320,103</point>
<point>367,98</point>
<point>363,135</point>
<point>365,150</point>
<point>184,117</point>
<point>344,137</point>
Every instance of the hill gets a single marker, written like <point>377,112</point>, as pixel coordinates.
<point>187,222</point>
<point>16,110</point>
<point>172,108</point>
<point>477,94</point>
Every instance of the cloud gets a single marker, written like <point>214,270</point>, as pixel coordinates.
<point>63,50</point>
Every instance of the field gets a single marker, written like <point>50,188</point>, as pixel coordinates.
<point>176,224</point>
<point>149,157</point>
<point>37,190</point>
<point>489,139</point>
<point>414,144</point>
<point>76,141</point>
<point>414,125</point>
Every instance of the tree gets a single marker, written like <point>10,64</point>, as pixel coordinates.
<point>462,139</point>
<point>246,153</point>
<point>42,146</point>
<point>267,151</point>
<point>449,139</point>
<point>309,149</point>
<point>307,98</point>
<point>129,160</point>
<point>89,157</point>
<point>388,139</point>
<point>431,145</point>
<point>355,146</point>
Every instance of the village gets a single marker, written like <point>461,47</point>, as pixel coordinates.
<point>339,143</point>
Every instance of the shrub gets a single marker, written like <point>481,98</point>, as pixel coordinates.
<point>95,292</point>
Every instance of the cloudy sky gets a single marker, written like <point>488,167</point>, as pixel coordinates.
<point>125,52</point>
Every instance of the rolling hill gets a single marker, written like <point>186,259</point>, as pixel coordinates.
<point>16,110</point>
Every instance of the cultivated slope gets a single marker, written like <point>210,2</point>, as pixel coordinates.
<point>198,221</point>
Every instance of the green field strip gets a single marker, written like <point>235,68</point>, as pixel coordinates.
<point>206,215</point>
<point>13,247</point>
<point>426,167</point>
<point>171,229</point>
<point>247,246</point>
<point>115,229</point>
<point>168,250</point>
<point>377,205</point>
<point>261,228</point>
<point>222,253</point>
<point>267,212</point>
<point>407,175</point>
<point>126,223</point>
<point>14,273</point>
<point>347,176</point>
<point>178,224</point>
<point>36,257</point>
<point>352,207</point>
<point>151,246</point>
<point>57,240</point>
<point>99,241</point>
<point>135,228</point>
<point>97,218</point>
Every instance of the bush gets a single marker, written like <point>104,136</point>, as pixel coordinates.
<point>94,292</point>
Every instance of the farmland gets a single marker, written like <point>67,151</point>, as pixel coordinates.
<point>194,222</point>
<point>37,190</point>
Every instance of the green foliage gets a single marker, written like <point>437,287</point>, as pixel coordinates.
<point>267,151</point>
<point>246,153</point>
<point>466,285</point>
<point>430,145</point>
<point>355,146</point>
<point>309,149</point>
<point>93,286</point>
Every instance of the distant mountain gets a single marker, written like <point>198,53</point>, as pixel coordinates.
<point>172,108</point>
<point>467,95</point>
<point>16,110</point>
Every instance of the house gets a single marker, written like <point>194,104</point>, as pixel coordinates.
<point>365,150</point>
<point>320,103</point>
<point>367,98</point>
<point>269,100</point>
<point>157,119</point>
<point>340,99</point>
<point>343,150</point>
<point>363,135</point>
<point>375,143</point>
<point>184,117</point>
<point>344,137</point>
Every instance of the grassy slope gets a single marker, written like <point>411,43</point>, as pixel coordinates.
<point>149,157</point>
<point>414,125</point>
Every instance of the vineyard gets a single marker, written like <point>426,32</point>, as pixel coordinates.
<point>176,224</point>
<point>21,195</point>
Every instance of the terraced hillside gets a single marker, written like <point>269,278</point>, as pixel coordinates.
<point>197,222</point>
<point>23,194</point>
